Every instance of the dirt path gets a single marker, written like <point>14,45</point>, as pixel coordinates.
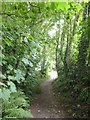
<point>45,105</point>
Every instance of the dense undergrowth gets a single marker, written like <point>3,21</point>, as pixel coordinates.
<point>73,95</point>
<point>71,89</point>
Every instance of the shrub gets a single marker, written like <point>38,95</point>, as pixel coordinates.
<point>16,106</point>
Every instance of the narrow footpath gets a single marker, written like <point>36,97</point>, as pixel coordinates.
<point>45,104</point>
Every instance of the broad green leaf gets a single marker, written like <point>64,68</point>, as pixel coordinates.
<point>62,5</point>
<point>26,40</point>
<point>11,77</point>
<point>2,76</point>
<point>25,61</point>
<point>10,67</point>
<point>30,63</point>
<point>2,84</point>
<point>12,86</point>
<point>5,94</point>
<point>19,75</point>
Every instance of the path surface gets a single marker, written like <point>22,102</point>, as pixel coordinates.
<point>45,105</point>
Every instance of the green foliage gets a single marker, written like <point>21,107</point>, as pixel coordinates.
<point>16,107</point>
<point>28,50</point>
<point>84,95</point>
<point>32,84</point>
<point>12,86</point>
<point>71,56</point>
<point>20,113</point>
<point>5,94</point>
<point>71,91</point>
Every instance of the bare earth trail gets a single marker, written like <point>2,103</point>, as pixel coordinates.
<point>45,104</point>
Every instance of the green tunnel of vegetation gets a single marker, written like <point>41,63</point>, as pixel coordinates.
<point>35,38</point>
